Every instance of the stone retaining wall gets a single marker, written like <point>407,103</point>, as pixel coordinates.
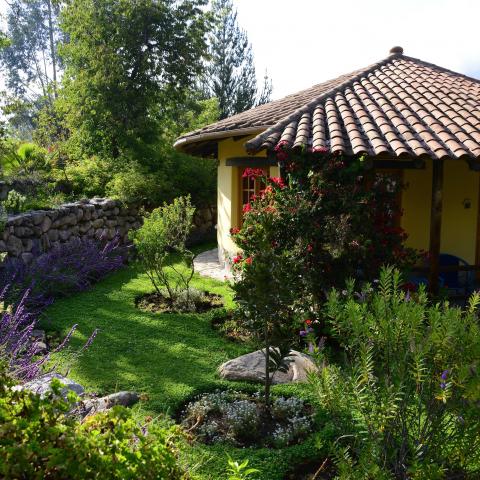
<point>32,233</point>
<point>35,232</point>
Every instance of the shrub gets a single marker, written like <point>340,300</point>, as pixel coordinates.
<point>132,186</point>
<point>406,404</point>
<point>15,202</point>
<point>38,440</point>
<point>160,241</point>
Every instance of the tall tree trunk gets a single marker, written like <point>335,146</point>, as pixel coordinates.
<point>52,48</point>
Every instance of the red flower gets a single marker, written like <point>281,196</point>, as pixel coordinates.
<point>277,181</point>
<point>234,230</point>
<point>309,247</point>
<point>247,208</point>
<point>249,260</point>
<point>237,259</point>
<point>280,145</point>
<point>320,150</point>
<point>282,155</point>
<point>253,172</point>
<point>308,321</point>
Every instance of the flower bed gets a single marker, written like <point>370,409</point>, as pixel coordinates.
<point>198,301</point>
<point>239,419</point>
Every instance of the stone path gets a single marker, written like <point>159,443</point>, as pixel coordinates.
<point>207,265</point>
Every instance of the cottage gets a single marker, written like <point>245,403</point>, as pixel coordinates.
<point>408,116</point>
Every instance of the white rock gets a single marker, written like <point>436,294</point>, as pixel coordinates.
<point>42,385</point>
<point>251,367</point>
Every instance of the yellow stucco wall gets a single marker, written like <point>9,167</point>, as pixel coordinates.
<point>228,195</point>
<point>459,224</point>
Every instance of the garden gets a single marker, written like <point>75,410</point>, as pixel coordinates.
<point>392,386</point>
<point>317,360</point>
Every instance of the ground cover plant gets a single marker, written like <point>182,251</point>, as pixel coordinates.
<point>405,403</point>
<point>240,419</point>
<point>169,357</point>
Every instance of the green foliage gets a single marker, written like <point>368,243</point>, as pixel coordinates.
<point>160,240</point>
<point>406,404</point>
<point>122,73</point>
<point>230,71</point>
<point>240,471</point>
<point>39,440</point>
<point>132,185</point>
<point>15,202</point>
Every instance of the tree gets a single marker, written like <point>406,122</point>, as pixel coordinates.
<point>30,62</point>
<point>128,66</point>
<point>230,71</point>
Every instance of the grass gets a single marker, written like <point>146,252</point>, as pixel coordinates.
<point>168,357</point>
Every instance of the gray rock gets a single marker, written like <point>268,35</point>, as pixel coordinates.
<point>98,223</point>
<point>14,246</point>
<point>38,217</point>
<point>27,258</point>
<point>38,335</point>
<point>94,405</point>
<point>53,235</point>
<point>251,367</point>
<point>64,235</point>
<point>46,224</point>
<point>23,231</point>
<point>42,385</point>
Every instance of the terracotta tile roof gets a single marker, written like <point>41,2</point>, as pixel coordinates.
<point>400,106</point>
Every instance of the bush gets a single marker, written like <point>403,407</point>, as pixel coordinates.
<point>406,404</point>
<point>15,202</point>
<point>160,241</point>
<point>132,186</point>
<point>38,440</point>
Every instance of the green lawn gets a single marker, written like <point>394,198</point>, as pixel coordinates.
<point>166,356</point>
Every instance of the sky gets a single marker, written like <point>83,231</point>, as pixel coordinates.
<point>304,42</point>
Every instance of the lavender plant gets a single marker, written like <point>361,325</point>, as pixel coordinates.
<point>28,290</point>
<point>68,268</point>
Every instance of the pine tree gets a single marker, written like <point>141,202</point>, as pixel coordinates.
<point>230,72</point>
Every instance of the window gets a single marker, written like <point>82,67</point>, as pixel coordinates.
<point>249,186</point>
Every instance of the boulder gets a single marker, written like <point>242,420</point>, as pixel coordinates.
<point>251,367</point>
<point>94,405</point>
<point>42,385</point>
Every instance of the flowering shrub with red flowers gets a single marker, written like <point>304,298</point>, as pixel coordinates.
<point>327,219</point>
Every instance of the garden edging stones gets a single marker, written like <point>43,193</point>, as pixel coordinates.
<point>251,367</point>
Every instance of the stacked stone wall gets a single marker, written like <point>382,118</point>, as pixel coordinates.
<point>32,233</point>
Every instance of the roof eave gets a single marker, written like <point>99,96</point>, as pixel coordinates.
<point>187,140</point>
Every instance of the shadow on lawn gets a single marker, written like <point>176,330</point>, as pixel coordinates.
<point>167,356</point>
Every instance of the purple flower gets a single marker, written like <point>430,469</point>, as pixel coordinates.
<point>309,330</point>
<point>303,333</point>
<point>445,374</point>
<point>310,347</point>
<point>443,385</point>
